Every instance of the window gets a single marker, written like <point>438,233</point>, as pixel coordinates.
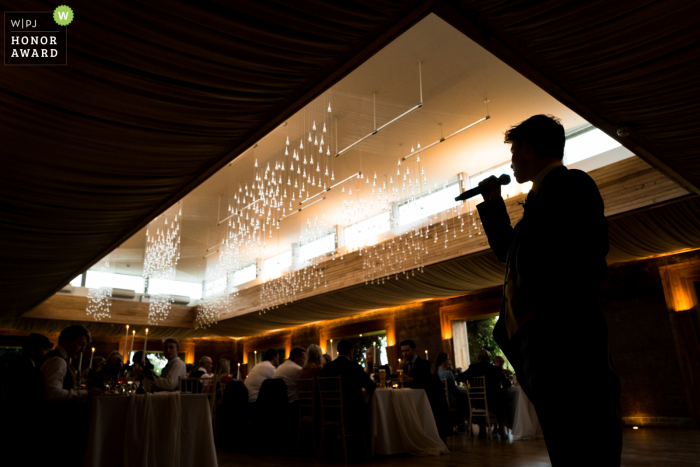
<point>355,234</point>
<point>189,289</point>
<point>273,267</point>
<point>244,275</point>
<point>317,247</point>
<point>512,189</point>
<point>77,282</point>
<point>96,279</point>
<point>213,287</point>
<point>587,143</point>
<point>428,205</point>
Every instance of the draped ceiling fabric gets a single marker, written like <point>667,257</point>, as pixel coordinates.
<point>158,95</point>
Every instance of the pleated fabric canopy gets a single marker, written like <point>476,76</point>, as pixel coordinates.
<point>159,95</point>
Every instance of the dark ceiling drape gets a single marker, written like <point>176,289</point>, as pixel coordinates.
<point>154,97</point>
<point>157,95</point>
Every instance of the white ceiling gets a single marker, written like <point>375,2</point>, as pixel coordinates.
<point>457,75</point>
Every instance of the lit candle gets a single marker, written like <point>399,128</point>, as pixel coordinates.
<point>131,349</point>
<point>92,354</point>
<point>145,343</point>
<point>238,375</point>
<point>80,362</point>
<point>426,354</point>
<point>126,338</point>
<point>331,349</point>
<point>374,353</point>
<point>255,360</point>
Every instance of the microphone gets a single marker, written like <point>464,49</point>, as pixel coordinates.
<point>484,189</point>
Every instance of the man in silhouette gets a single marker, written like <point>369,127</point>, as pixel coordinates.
<point>416,370</point>
<point>555,265</point>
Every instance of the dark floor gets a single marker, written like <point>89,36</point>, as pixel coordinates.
<point>666,447</point>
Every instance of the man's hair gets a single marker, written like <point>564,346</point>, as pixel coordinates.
<point>295,352</point>
<point>269,355</point>
<point>72,333</point>
<point>498,357</point>
<point>483,355</point>
<point>201,360</point>
<point>327,358</point>
<point>408,342</point>
<point>173,340</point>
<point>35,342</point>
<point>544,134</point>
<point>344,347</point>
<point>115,352</point>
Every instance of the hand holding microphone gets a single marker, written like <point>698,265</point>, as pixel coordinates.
<point>489,188</point>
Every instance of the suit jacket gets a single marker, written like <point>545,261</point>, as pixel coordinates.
<point>420,372</point>
<point>354,379</point>
<point>556,258</point>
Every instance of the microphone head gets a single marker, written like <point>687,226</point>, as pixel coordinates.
<point>504,179</point>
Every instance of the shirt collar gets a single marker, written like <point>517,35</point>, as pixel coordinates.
<point>537,183</point>
<point>413,360</point>
<point>62,351</point>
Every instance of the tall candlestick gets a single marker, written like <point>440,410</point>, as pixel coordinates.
<point>145,346</point>
<point>426,355</point>
<point>131,349</point>
<point>332,358</point>
<point>374,353</point>
<point>126,338</point>
<point>238,375</point>
<point>92,354</point>
<point>80,362</point>
<point>255,357</point>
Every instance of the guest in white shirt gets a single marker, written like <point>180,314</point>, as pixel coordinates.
<point>60,383</point>
<point>204,370</point>
<point>260,372</point>
<point>169,379</point>
<point>290,370</point>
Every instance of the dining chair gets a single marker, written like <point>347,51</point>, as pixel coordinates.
<point>333,415</point>
<point>477,394</point>
<point>456,416</point>
<point>307,410</point>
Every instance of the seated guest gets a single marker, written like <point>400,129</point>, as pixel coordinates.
<point>260,372</point>
<point>60,383</point>
<point>354,378</point>
<point>203,369</point>
<point>169,379</point>
<point>34,349</point>
<point>455,394</point>
<point>314,362</point>
<point>416,371</point>
<point>113,366</point>
<point>498,361</point>
<point>223,371</point>
<point>327,358</point>
<point>290,370</point>
<point>495,382</point>
<point>94,374</point>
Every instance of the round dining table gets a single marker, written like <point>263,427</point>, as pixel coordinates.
<point>521,417</point>
<point>403,422</point>
<point>162,429</point>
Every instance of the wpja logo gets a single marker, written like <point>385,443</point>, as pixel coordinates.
<point>37,37</point>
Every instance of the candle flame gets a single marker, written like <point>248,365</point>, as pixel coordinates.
<point>146,330</point>
<point>93,349</point>
<point>127,327</point>
<point>133,332</point>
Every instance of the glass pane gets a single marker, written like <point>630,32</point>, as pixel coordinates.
<point>317,247</point>
<point>96,279</point>
<point>480,336</point>
<point>587,145</point>
<point>77,281</point>
<point>273,267</point>
<point>244,275</point>
<point>354,235</point>
<point>428,205</point>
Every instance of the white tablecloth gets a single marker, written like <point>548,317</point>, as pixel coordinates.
<point>108,430</point>
<point>402,421</point>
<point>521,416</point>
